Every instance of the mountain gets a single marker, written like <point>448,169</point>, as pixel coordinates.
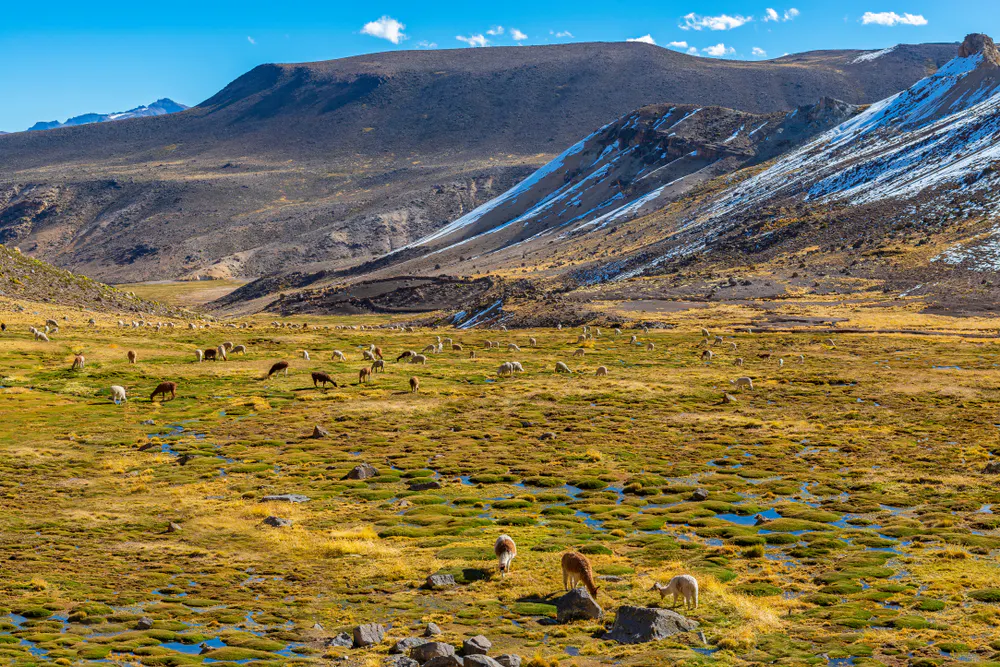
<point>158,108</point>
<point>323,166</point>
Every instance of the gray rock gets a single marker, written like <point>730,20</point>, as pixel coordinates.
<point>445,661</point>
<point>144,623</point>
<point>424,486</point>
<point>343,639</point>
<point>404,645</point>
<point>992,468</point>
<point>637,625</point>
<point>149,422</point>
<point>319,432</point>
<point>577,605</point>
<point>509,660</point>
<point>478,645</point>
<point>438,581</point>
<point>173,527</point>
<point>699,495</point>
<point>286,498</point>
<point>432,630</point>
<point>479,661</point>
<point>431,650</point>
<point>400,661</point>
<point>363,471</point>
<point>277,522</point>
<point>368,634</point>
<point>547,436</point>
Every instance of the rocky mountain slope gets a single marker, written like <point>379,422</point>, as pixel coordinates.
<point>160,107</point>
<point>327,165</point>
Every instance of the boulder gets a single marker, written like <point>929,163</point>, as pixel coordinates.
<point>404,645</point>
<point>286,498</point>
<point>478,645</point>
<point>577,605</point>
<point>432,630</point>
<point>363,471</point>
<point>399,661</point>
<point>173,527</point>
<point>343,639</point>
<point>439,581</point>
<point>277,522</point>
<point>319,432</point>
<point>637,625</point>
<point>425,486</point>
<point>992,468</point>
<point>445,661</point>
<point>431,650</point>
<point>368,634</point>
<point>479,661</point>
<point>509,660</point>
<point>728,398</point>
<point>144,623</point>
<point>699,495</point>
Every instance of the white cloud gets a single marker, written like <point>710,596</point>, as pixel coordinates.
<point>759,52</point>
<point>645,39</point>
<point>251,40</point>
<point>722,22</point>
<point>773,15</point>
<point>693,50</point>
<point>678,45</point>
<point>474,40</point>
<point>719,50</point>
<point>427,45</point>
<point>892,18</point>
<point>517,35</point>
<point>496,30</point>
<point>385,28</point>
<point>561,33</point>
<point>791,13</point>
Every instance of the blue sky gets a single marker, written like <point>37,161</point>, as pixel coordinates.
<point>63,58</point>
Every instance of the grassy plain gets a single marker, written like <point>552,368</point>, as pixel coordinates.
<point>866,457</point>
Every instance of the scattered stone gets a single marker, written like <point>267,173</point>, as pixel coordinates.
<point>400,661</point>
<point>424,486</point>
<point>317,626</point>
<point>445,661</point>
<point>404,645</point>
<point>431,650</point>
<point>509,660</point>
<point>728,398</point>
<point>432,630</point>
<point>173,527</point>
<point>363,471</point>
<point>319,432</point>
<point>699,495</point>
<point>343,639</point>
<point>277,522</point>
<point>286,498</point>
<point>637,625</point>
<point>614,578</point>
<point>577,605</point>
<point>438,581</point>
<point>368,634</point>
<point>204,648</point>
<point>147,446</point>
<point>479,661</point>
<point>759,520</point>
<point>183,459</point>
<point>144,623</point>
<point>526,424</point>
<point>992,468</point>
<point>149,422</point>
<point>547,436</point>
<point>478,645</point>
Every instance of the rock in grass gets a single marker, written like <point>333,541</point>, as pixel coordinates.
<point>363,471</point>
<point>319,432</point>
<point>343,639</point>
<point>699,495</point>
<point>480,661</point>
<point>437,582</point>
<point>478,645</point>
<point>425,486</point>
<point>637,625</point>
<point>404,645</point>
<point>399,661</point>
<point>577,605</point>
<point>431,650</point>
<point>144,623</point>
<point>432,630</point>
<point>173,527</point>
<point>286,498</point>
<point>277,522</point>
<point>729,398</point>
<point>992,468</point>
<point>445,661</point>
<point>368,634</point>
<point>547,436</point>
<point>509,660</point>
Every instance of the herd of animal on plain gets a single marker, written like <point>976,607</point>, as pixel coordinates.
<point>575,567</point>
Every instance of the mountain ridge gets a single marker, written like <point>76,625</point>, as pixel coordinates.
<point>160,107</point>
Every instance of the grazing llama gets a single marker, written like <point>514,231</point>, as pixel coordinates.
<point>506,550</point>
<point>576,569</point>
<point>164,388</point>
<point>277,368</point>
<point>683,585</point>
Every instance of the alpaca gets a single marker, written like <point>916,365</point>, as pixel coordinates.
<point>163,388</point>
<point>367,355</point>
<point>118,394</point>
<point>406,354</point>
<point>211,354</point>
<point>322,378</point>
<point>78,362</point>
<point>377,351</point>
<point>378,366</point>
<point>683,585</point>
<point>414,385</point>
<point>364,375</point>
<point>305,354</point>
<point>602,371</point>
<point>277,368</point>
<point>239,349</point>
<point>131,356</point>
<point>339,356</point>
<point>199,355</point>
<point>576,569</point>
<point>506,550</point>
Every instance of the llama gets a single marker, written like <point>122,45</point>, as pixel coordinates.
<point>364,375</point>
<point>602,371</point>
<point>163,388</point>
<point>378,366</point>
<point>131,356</point>
<point>414,385</point>
<point>405,355</point>
<point>199,355</point>
<point>211,354</point>
<point>683,585</point>
<point>506,550</point>
<point>339,356</point>
<point>562,368</point>
<point>322,378</point>
<point>78,362</point>
<point>277,368</point>
<point>576,569</point>
<point>118,394</point>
